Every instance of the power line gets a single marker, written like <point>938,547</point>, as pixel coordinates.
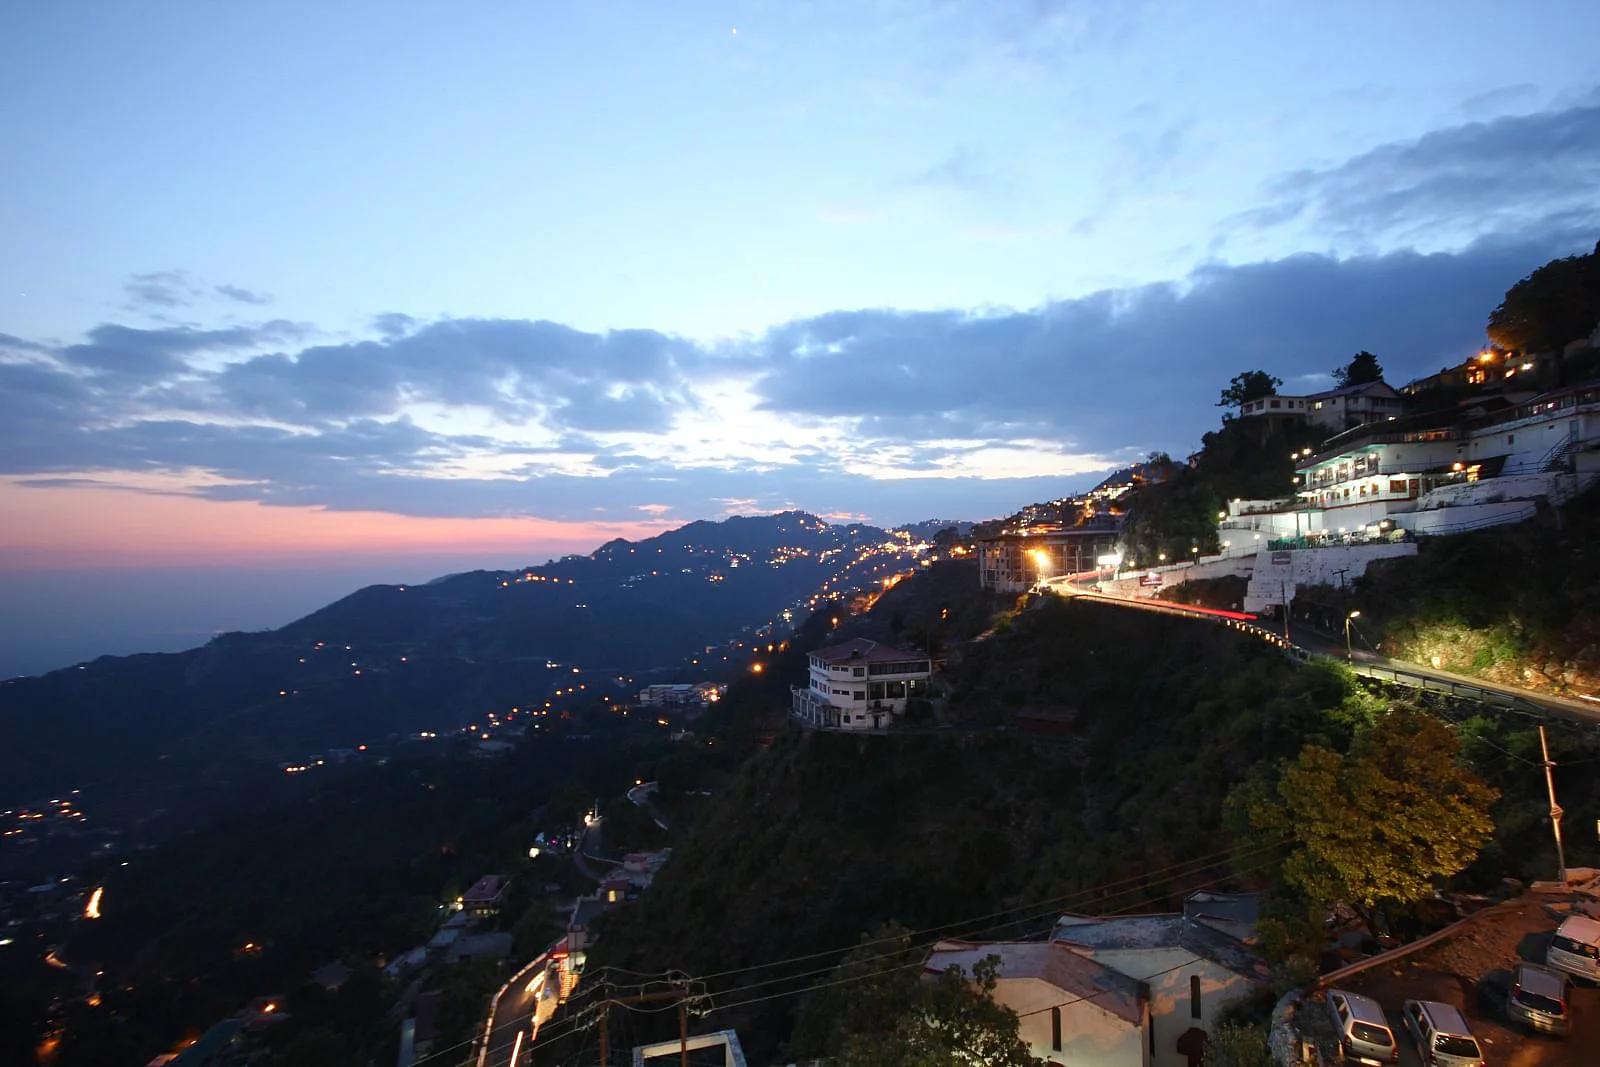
<point>573,1022</point>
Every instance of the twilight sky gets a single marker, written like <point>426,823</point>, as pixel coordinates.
<point>298,296</point>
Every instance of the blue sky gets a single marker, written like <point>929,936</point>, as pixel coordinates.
<point>589,267</point>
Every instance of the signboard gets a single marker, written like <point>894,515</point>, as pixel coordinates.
<point>1282,559</point>
<point>1149,579</point>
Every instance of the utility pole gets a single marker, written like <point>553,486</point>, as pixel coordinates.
<point>679,994</point>
<point>1555,809</point>
<point>1283,595</point>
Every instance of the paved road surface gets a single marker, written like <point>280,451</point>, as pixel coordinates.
<point>522,1008</point>
<point>639,797</point>
<point>1372,665</point>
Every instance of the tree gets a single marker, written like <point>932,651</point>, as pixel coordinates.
<point>1247,386</point>
<point>1362,368</point>
<point>1376,826</point>
<point>1557,303</point>
<point>884,1013</point>
<point>1237,1046</point>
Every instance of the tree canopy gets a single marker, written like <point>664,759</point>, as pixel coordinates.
<point>1362,368</point>
<point>1557,303</point>
<point>1377,825</point>
<point>1247,386</point>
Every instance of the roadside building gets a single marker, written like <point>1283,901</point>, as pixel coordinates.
<point>1073,1010</point>
<point>1333,410</point>
<point>681,694</point>
<point>1015,559</point>
<point>1434,473</point>
<point>584,911</point>
<point>484,898</point>
<point>1192,965</point>
<point>860,685</point>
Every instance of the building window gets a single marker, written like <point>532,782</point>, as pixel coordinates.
<point>1194,996</point>
<point>859,671</point>
<point>1055,1029</point>
<point>1511,438</point>
<point>858,695</point>
<point>1275,404</point>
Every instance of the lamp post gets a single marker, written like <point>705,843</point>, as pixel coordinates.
<point>1349,652</point>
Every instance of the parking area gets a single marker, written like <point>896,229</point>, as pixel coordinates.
<point>1454,972</point>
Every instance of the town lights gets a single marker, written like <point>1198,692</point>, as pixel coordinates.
<point>1349,652</point>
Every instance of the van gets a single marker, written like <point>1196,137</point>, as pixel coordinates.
<point>1442,1036</point>
<point>1538,998</point>
<point>1364,1034</point>
<point>1576,948</point>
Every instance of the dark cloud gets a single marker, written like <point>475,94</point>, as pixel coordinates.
<point>1507,175</point>
<point>243,296</point>
<point>150,355</point>
<point>162,289</point>
<point>1113,374</point>
<point>520,370</point>
<point>1137,367</point>
<point>393,324</point>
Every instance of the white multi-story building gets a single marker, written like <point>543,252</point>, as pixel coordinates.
<point>1430,474</point>
<point>1333,410</point>
<point>860,685</point>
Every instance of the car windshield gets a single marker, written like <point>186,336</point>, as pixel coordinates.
<point>1453,1045</point>
<point>1372,1035</point>
<point>1540,1002</point>
<point>1577,948</point>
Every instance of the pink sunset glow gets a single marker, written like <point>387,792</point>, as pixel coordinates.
<point>76,527</point>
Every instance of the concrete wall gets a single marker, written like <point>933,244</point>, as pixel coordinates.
<point>1173,574</point>
<point>1090,1035</point>
<point>1271,581</point>
<point>1170,1012</point>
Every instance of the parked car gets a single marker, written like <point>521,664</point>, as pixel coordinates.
<point>1364,1034</point>
<point>1442,1035</point>
<point>1576,948</point>
<point>1534,996</point>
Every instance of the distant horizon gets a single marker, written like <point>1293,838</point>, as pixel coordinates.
<point>202,603</point>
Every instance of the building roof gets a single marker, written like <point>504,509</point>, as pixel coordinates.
<point>1159,932</point>
<point>585,911</point>
<point>1234,914</point>
<point>1052,962</point>
<point>1379,387</point>
<point>861,650</point>
<point>485,890</point>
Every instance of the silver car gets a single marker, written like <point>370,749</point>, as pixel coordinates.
<point>1441,1033</point>
<point>1538,998</point>
<point>1364,1034</point>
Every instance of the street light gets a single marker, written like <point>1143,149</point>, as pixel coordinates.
<point>1349,653</point>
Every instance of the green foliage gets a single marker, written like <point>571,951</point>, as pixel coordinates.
<point>1237,1046</point>
<point>883,1013</point>
<point>1557,303</point>
<point>1173,517</point>
<point>1245,458</point>
<point>1379,825</point>
<point>1362,368</point>
<point>1519,604</point>
<point>1247,386</point>
<point>822,837</point>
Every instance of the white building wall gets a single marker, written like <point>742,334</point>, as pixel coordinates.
<point>1090,1035</point>
<point>1271,581</point>
<point>1167,972</point>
